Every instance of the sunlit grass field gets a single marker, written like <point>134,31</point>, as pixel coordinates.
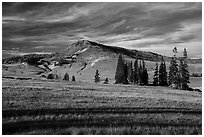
<point>57,107</point>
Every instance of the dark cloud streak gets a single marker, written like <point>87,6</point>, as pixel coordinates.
<point>130,25</point>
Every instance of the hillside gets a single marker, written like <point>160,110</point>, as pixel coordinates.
<point>82,58</point>
<point>82,45</point>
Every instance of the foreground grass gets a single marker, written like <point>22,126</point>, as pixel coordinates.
<point>55,107</point>
<point>139,130</point>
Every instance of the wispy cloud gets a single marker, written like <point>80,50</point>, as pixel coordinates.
<point>145,26</point>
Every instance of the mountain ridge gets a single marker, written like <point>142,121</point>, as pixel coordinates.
<point>150,56</point>
<point>82,45</point>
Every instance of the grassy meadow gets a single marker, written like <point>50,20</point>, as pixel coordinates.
<point>56,107</point>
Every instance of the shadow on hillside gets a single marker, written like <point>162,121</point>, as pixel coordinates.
<point>115,110</point>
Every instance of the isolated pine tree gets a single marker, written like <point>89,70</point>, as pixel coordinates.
<point>73,78</point>
<point>162,74</point>
<point>136,72</point>
<point>106,81</point>
<point>97,77</point>
<point>184,73</point>
<point>119,75</point>
<point>156,76</point>
<point>66,77</point>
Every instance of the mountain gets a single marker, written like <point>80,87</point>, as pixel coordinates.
<point>82,58</point>
<point>83,45</point>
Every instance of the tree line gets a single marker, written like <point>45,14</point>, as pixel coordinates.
<point>65,77</point>
<point>178,76</point>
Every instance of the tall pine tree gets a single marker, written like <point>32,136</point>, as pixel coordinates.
<point>130,72</point>
<point>174,76</point>
<point>140,78</point>
<point>173,72</point>
<point>162,74</point>
<point>136,72</point>
<point>184,73</point>
<point>145,77</point>
<point>119,75</point>
<point>156,76</point>
<point>125,80</point>
<point>144,74</point>
<point>66,77</point>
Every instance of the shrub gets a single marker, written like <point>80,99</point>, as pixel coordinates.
<point>106,81</point>
<point>66,77</point>
<point>73,78</point>
<point>50,76</point>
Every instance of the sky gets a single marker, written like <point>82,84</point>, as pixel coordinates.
<point>52,27</point>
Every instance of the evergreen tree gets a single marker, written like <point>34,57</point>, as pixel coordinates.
<point>179,75</point>
<point>173,71</point>
<point>97,77</point>
<point>73,78</point>
<point>66,77</point>
<point>162,74</point>
<point>50,76</point>
<point>156,76</point>
<point>185,53</point>
<point>165,75</point>
<point>140,78</point>
<point>184,73</point>
<point>125,80</point>
<point>144,74</point>
<point>130,72</point>
<point>145,77</point>
<point>136,72</point>
<point>119,75</point>
<point>106,81</point>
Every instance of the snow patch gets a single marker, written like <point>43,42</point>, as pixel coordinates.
<point>99,59</point>
<point>81,51</point>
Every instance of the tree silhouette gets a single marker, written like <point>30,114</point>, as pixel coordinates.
<point>66,77</point>
<point>136,72</point>
<point>125,80</point>
<point>156,76</point>
<point>73,78</point>
<point>162,74</point>
<point>144,74</point>
<point>50,76</point>
<point>140,78</point>
<point>119,75</point>
<point>106,81</point>
<point>184,73</point>
<point>130,72</point>
<point>97,77</point>
<point>145,77</point>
